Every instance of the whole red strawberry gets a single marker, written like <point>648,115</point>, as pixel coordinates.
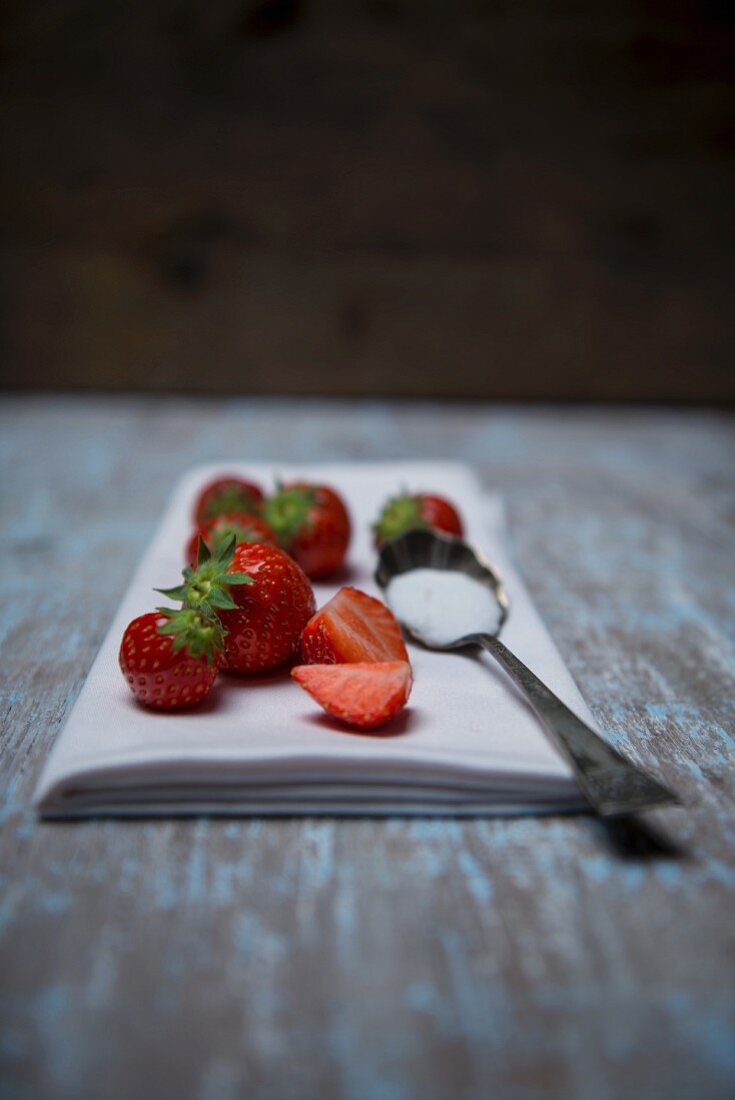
<point>225,495</point>
<point>169,658</point>
<point>311,522</point>
<point>262,631</point>
<point>216,532</point>
<point>408,510</point>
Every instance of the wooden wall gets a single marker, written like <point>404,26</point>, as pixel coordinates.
<point>414,197</point>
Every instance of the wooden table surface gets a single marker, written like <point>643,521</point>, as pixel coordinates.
<point>381,959</point>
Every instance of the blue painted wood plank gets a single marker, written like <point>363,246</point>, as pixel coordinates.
<point>376,960</point>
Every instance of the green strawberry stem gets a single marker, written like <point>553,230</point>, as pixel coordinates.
<point>206,588</point>
<point>200,634</point>
<point>243,532</point>
<point>399,514</point>
<point>230,498</point>
<point>288,512</point>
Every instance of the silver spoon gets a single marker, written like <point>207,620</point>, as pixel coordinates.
<point>612,784</point>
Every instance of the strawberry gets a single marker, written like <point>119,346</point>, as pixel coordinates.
<point>261,623</point>
<point>170,658</point>
<point>225,495</point>
<point>408,510</point>
<point>366,694</point>
<point>311,522</point>
<point>215,532</point>
<point>262,631</point>
<point>352,627</point>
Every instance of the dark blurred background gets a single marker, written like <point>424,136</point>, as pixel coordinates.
<point>508,200</point>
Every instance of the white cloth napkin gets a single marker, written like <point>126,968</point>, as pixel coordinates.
<point>466,744</point>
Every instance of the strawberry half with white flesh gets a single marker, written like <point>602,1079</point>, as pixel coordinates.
<point>367,694</point>
<point>352,627</point>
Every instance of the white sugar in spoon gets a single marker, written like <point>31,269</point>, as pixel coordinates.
<point>441,605</point>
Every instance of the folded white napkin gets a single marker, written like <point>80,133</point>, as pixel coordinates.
<point>466,744</point>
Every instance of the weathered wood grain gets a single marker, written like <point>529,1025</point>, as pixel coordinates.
<point>380,960</point>
<point>467,199</point>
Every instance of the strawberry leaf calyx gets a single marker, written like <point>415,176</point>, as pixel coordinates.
<point>203,552</point>
<point>288,511</point>
<point>197,632</point>
<point>230,497</point>
<point>241,529</point>
<point>400,513</point>
<point>207,586</point>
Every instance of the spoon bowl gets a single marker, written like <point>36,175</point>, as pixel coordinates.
<point>424,549</point>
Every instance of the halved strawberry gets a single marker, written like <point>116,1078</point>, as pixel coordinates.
<point>352,627</point>
<point>365,694</point>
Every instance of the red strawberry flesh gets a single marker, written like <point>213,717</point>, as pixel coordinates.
<point>352,627</point>
<point>367,694</point>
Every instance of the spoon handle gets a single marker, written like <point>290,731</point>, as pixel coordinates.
<point>610,782</point>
